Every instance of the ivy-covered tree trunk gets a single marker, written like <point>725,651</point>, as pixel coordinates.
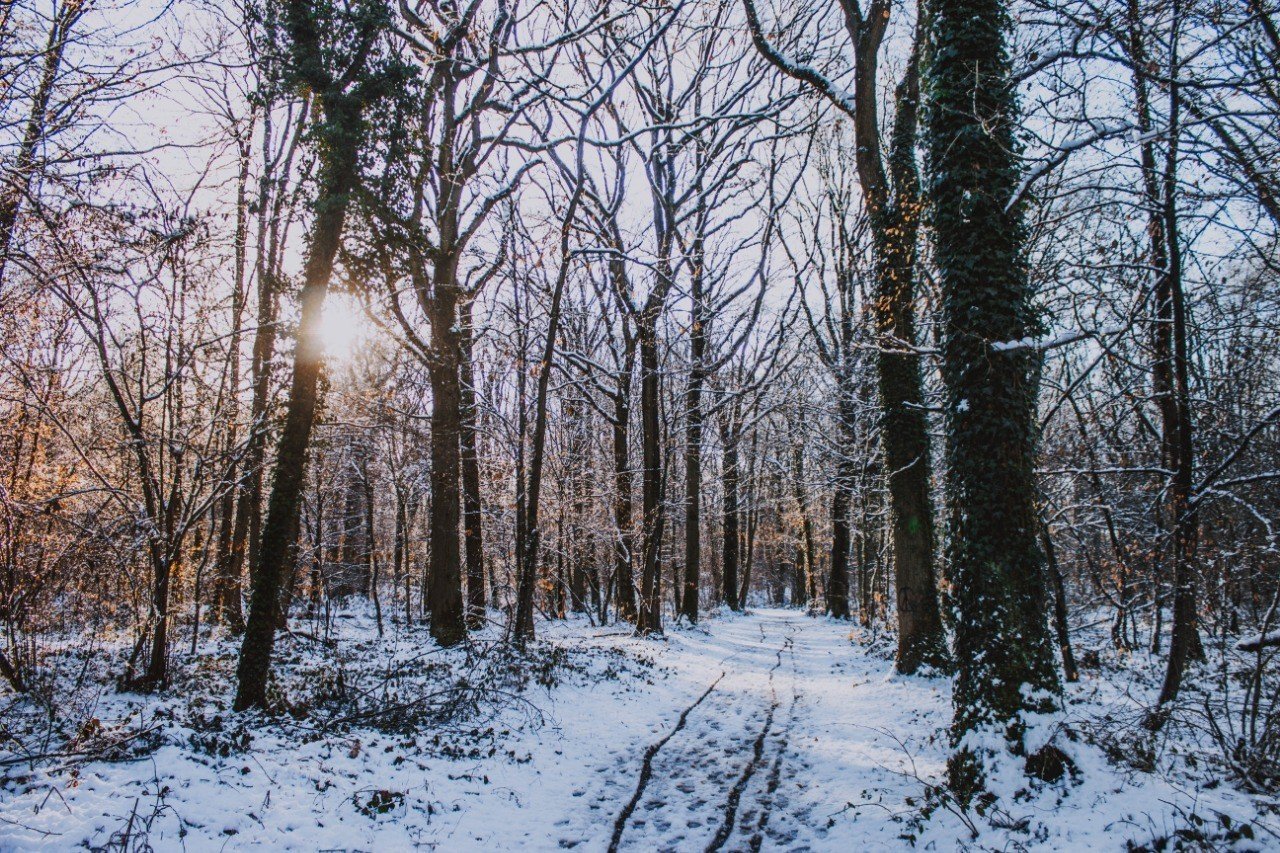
<point>1004,655</point>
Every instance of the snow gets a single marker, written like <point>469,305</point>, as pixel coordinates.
<point>1059,340</point>
<point>1257,641</point>
<point>795,725</point>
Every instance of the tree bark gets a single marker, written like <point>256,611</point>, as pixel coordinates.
<point>1184,642</point>
<point>624,541</point>
<point>472,518</point>
<point>806,568</point>
<point>1004,656</point>
<point>753,520</point>
<point>893,219</point>
<point>157,672</point>
<point>904,428</point>
<point>343,132</point>
<point>448,625</point>
<point>226,586</point>
<point>732,517</point>
<point>838,580</point>
<point>650,617</point>
<point>693,451</point>
<point>893,213</point>
<point>17,183</point>
<point>576,546</point>
<point>1069,671</point>
<point>246,539</point>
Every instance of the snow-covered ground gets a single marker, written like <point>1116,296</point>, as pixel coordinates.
<point>772,730</point>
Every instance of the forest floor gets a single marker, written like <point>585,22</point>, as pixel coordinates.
<point>771,730</point>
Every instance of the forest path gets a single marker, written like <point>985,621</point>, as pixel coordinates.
<point>769,730</point>
<point>748,731</point>
<point>698,786</point>
<point>759,756</point>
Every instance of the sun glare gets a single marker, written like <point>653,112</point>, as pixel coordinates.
<point>342,328</point>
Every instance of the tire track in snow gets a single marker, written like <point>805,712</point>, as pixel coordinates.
<point>646,769</point>
<point>769,799</point>
<point>757,748</point>
<point>734,728</point>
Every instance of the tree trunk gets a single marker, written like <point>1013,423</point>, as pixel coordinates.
<point>576,546</point>
<point>157,673</point>
<point>1003,652</point>
<point>448,625</point>
<point>17,181</point>
<point>226,585</point>
<point>806,564</point>
<point>732,515</point>
<point>838,581</point>
<point>1162,302</point>
<point>247,535</point>
<point>560,586</point>
<point>650,617</point>
<point>904,430</point>
<point>472,520</point>
<point>528,542</point>
<point>1184,642</point>
<point>753,518</point>
<point>339,164</point>
<point>370,535</point>
<point>693,455</point>
<point>1069,671</point>
<point>352,575</point>
<point>399,549</point>
<point>624,542</point>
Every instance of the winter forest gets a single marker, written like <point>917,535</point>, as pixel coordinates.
<point>639,424</point>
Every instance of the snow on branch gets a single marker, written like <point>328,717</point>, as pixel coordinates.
<point>833,92</point>
<point>1064,151</point>
<point>1259,641</point>
<point>1061,340</point>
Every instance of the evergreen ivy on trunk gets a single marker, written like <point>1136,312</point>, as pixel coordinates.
<point>1003,652</point>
